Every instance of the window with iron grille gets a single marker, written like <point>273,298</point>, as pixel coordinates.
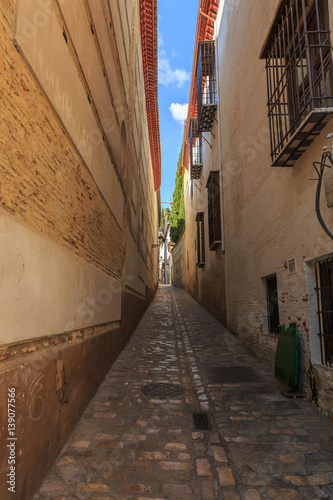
<point>324,279</point>
<point>299,77</point>
<point>272,304</point>
<point>200,239</point>
<point>214,211</point>
<point>196,151</point>
<point>206,85</point>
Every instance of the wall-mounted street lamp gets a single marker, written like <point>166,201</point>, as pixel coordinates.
<point>160,240</point>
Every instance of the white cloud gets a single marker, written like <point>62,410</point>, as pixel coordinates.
<point>169,76</point>
<point>179,111</point>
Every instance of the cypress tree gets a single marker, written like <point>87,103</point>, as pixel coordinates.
<point>177,217</point>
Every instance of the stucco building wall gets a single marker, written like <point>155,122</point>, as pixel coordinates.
<point>78,212</point>
<point>206,284</point>
<point>178,265</point>
<point>268,213</point>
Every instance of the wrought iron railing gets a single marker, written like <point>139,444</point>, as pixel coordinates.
<point>214,210</point>
<point>206,85</point>
<point>200,239</point>
<point>324,278</point>
<point>299,77</point>
<point>196,151</point>
<point>272,304</point>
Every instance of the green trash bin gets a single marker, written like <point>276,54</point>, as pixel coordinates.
<point>286,358</point>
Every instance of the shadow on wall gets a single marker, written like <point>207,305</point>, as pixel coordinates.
<point>52,388</point>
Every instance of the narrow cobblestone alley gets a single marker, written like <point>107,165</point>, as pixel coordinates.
<point>132,446</point>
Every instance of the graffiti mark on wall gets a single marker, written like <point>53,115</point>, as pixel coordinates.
<point>36,405</point>
<point>61,384</point>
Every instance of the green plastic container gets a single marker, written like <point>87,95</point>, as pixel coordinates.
<point>286,358</point>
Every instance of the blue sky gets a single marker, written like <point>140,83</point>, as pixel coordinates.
<point>176,26</point>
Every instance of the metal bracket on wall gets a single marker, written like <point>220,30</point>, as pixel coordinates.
<point>195,183</point>
<point>204,138</point>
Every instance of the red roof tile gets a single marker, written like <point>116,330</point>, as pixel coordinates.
<point>149,43</point>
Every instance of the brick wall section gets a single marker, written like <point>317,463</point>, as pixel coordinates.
<point>45,184</point>
<point>23,349</point>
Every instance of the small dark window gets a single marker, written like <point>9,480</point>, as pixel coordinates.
<point>299,77</point>
<point>214,211</point>
<point>324,277</point>
<point>200,239</point>
<point>272,304</point>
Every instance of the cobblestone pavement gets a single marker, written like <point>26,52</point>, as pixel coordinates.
<point>132,446</point>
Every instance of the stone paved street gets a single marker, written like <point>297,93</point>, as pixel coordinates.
<point>132,446</point>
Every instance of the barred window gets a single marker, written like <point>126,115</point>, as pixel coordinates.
<point>272,304</point>
<point>200,239</point>
<point>196,150</point>
<point>299,77</point>
<point>206,85</point>
<point>324,278</point>
<point>214,211</point>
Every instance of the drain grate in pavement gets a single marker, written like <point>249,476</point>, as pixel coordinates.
<point>161,391</point>
<point>232,375</point>
<point>202,422</point>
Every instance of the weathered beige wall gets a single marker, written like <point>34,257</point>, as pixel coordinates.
<point>178,265</point>
<point>59,72</point>
<point>269,212</point>
<point>75,163</point>
<point>78,209</point>
<point>206,284</point>
<point>47,290</point>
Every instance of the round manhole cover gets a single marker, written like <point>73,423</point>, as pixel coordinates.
<point>161,391</point>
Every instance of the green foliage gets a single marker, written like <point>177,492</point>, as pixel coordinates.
<point>177,217</point>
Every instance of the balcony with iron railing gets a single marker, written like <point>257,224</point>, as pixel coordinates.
<point>206,85</point>
<point>196,152</point>
<point>299,74</point>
